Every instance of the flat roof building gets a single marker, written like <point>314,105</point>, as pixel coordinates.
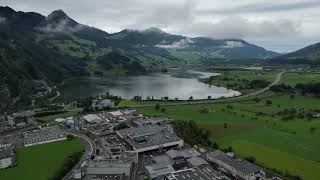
<point>197,161</point>
<point>237,167</point>
<point>193,174</point>
<point>92,119</point>
<point>149,138</point>
<point>185,153</point>
<point>109,170</point>
<point>158,170</point>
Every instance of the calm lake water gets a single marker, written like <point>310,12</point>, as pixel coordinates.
<point>177,84</point>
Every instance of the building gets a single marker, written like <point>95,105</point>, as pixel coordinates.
<point>162,159</point>
<point>43,137</point>
<point>143,139</point>
<point>7,156</point>
<point>158,170</point>
<point>148,121</point>
<point>197,161</point>
<point>236,167</point>
<point>109,170</point>
<point>205,173</point>
<point>316,115</point>
<point>185,153</point>
<point>92,119</point>
<point>100,104</point>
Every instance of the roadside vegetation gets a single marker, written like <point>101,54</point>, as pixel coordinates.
<point>43,162</point>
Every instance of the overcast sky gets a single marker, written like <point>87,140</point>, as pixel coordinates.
<point>278,25</point>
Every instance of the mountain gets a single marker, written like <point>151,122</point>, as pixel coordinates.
<point>36,48</point>
<point>307,55</point>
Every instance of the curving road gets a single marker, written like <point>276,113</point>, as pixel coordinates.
<point>89,151</point>
<point>275,82</point>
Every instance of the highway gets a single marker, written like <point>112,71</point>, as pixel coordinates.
<point>275,82</point>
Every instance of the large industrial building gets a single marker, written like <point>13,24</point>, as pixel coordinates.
<point>143,139</point>
<point>237,167</point>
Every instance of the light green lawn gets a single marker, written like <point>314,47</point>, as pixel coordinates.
<point>55,116</point>
<point>41,162</point>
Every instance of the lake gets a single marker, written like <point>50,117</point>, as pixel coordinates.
<point>179,84</point>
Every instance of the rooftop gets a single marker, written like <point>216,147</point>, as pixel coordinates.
<point>6,150</point>
<point>239,164</point>
<point>197,161</point>
<point>141,137</point>
<point>186,153</point>
<point>156,170</point>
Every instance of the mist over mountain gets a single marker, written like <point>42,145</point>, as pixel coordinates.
<point>56,47</point>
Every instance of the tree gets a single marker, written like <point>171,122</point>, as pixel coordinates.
<point>215,146</point>
<point>191,98</point>
<point>209,97</point>
<point>157,107</point>
<point>268,102</point>
<point>225,125</point>
<point>163,110</point>
<point>70,137</point>
<point>251,159</point>
<point>120,126</point>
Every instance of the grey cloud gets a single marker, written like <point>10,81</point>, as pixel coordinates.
<point>265,7</point>
<point>183,43</point>
<point>234,27</point>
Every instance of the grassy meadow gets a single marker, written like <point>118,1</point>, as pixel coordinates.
<point>255,128</point>
<point>41,162</point>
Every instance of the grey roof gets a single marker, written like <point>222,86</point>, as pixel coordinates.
<point>162,159</point>
<point>109,168</point>
<point>239,164</point>
<point>197,161</point>
<point>186,153</point>
<point>141,137</point>
<point>188,174</point>
<point>156,170</point>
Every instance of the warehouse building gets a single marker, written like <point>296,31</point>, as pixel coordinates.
<point>204,173</point>
<point>109,169</point>
<point>236,167</point>
<point>92,119</point>
<point>143,139</point>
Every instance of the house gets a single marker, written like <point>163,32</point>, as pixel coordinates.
<point>236,167</point>
<point>7,156</point>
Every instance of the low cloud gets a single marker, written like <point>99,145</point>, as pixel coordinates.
<point>183,43</point>
<point>63,26</point>
<point>233,44</point>
<point>2,20</point>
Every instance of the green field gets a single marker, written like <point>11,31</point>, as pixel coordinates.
<point>239,79</point>
<point>255,128</point>
<point>41,162</point>
<point>294,78</point>
<point>55,116</point>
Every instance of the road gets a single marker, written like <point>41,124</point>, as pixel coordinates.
<point>275,82</point>
<point>90,150</point>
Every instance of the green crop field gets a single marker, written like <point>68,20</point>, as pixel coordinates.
<point>294,78</point>
<point>41,162</point>
<point>55,116</point>
<point>255,128</point>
